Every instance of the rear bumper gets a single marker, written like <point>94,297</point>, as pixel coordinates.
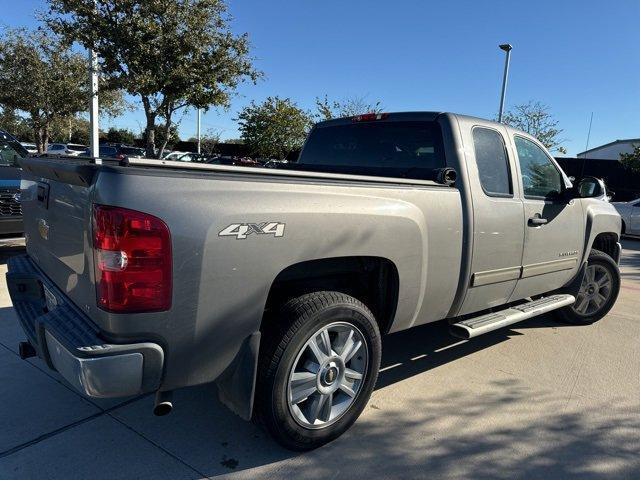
<point>70,343</point>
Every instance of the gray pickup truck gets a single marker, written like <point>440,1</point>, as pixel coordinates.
<point>147,276</point>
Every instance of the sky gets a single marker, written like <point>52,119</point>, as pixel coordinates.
<point>577,57</point>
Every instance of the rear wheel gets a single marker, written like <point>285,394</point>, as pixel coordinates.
<point>598,291</point>
<point>318,368</point>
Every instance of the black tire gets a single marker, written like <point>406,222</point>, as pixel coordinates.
<point>283,343</point>
<point>599,259</point>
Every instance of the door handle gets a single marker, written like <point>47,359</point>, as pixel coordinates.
<point>537,221</point>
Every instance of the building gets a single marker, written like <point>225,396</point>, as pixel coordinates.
<point>612,150</point>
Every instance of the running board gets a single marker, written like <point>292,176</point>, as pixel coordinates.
<point>473,327</point>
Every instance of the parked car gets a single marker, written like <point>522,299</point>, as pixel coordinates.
<point>105,151</point>
<point>57,149</point>
<point>174,156</point>
<point>279,283</point>
<point>30,147</point>
<point>116,151</point>
<point>75,149</point>
<point>630,213</point>
<point>11,226</point>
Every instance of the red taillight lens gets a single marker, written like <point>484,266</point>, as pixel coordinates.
<point>369,117</point>
<point>132,253</point>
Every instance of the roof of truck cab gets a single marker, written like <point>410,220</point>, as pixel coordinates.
<point>388,116</point>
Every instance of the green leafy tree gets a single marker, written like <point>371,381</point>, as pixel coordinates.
<point>120,135</point>
<point>274,128</point>
<point>536,119</point>
<point>70,129</point>
<point>15,124</point>
<point>46,81</point>
<point>349,107</point>
<point>632,160</point>
<point>168,53</point>
<point>168,137</point>
<point>208,142</point>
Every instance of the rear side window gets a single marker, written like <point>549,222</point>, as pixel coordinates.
<point>493,163</point>
<point>409,149</point>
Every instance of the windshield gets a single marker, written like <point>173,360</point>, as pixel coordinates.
<point>10,152</point>
<point>407,149</point>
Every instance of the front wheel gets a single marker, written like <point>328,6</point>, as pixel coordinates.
<point>317,369</point>
<point>598,291</point>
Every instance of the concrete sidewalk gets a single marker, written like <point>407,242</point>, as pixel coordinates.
<point>539,400</point>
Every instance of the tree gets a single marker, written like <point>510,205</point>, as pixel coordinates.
<point>348,107</point>
<point>120,135</point>
<point>208,141</point>
<point>536,119</point>
<point>70,129</point>
<point>15,124</point>
<point>273,128</point>
<point>168,53</point>
<point>168,136</point>
<point>47,81</point>
<point>631,160</point>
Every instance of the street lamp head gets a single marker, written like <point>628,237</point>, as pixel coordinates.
<point>506,47</point>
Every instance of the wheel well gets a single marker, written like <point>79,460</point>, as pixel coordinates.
<point>372,280</point>
<point>606,242</point>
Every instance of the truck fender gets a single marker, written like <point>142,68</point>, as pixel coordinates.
<point>236,385</point>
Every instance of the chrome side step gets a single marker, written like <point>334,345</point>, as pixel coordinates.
<point>472,327</point>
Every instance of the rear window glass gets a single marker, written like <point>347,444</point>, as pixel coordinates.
<point>392,149</point>
<point>491,158</point>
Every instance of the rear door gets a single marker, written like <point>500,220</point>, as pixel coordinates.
<point>498,231</point>
<point>554,227</point>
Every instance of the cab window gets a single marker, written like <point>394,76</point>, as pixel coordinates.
<point>540,177</point>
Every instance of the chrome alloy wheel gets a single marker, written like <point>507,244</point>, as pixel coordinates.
<point>594,292</point>
<point>327,375</point>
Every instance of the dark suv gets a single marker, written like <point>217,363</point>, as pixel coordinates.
<point>10,209</point>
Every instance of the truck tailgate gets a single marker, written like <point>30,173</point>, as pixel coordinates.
<point>56,201</point>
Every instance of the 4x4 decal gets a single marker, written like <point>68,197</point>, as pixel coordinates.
<point>243,230</point>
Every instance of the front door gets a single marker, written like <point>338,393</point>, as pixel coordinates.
<point>553,226</point>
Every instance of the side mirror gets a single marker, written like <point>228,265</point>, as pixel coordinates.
<point>590,187</point>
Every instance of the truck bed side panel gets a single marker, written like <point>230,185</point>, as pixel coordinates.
<point>221,283</point>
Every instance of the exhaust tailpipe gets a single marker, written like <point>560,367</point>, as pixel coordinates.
<point>163,404</point>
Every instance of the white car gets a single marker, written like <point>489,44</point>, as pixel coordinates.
<point>57,148</point>
<point>75,149</point>
<point>30,147</point>
<point>630,213</point>
<point>174,156</point>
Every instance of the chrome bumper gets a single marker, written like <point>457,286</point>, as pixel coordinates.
<point>71,344</point>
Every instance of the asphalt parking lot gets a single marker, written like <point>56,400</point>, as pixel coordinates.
<point>539,400</point>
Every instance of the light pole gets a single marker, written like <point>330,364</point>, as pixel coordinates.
<point>198,131</point>
<point>507,48</point>
<point>94,134</point>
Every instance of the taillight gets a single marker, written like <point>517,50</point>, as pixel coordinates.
<point>369,117</point>
<point>132,253</point>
